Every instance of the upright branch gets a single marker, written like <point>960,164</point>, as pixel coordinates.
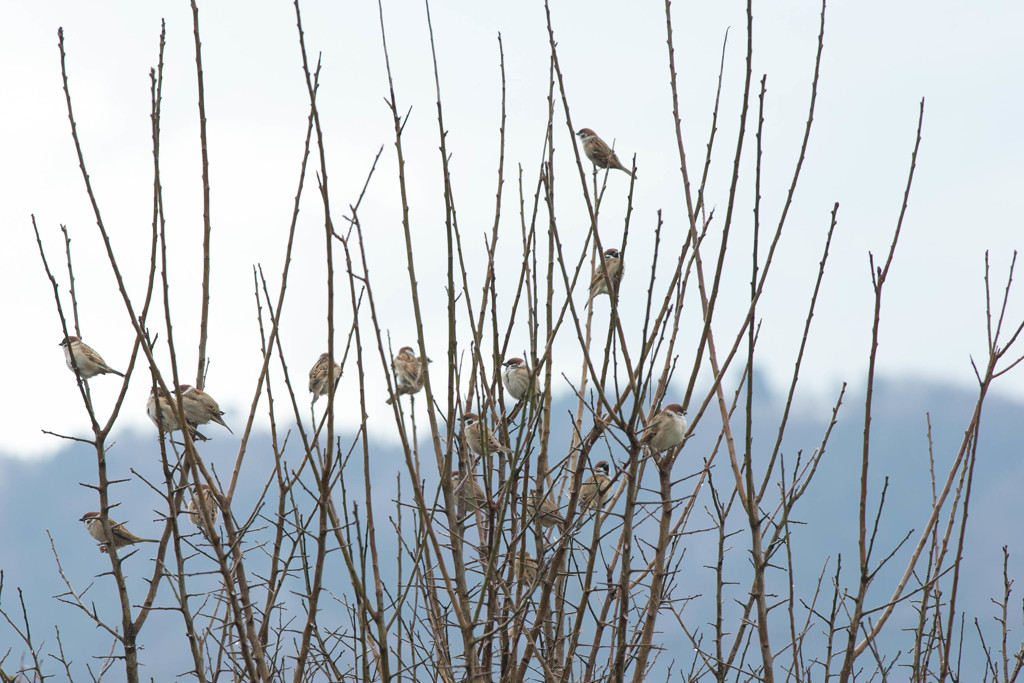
<point>878,278</point>
<point>204,320</point>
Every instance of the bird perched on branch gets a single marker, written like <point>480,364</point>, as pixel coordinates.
<point>164,413</point>
<point>469,495</point>
<point>200,408</point>
<point>408,370</point>
<point>518,380</point>
<point>205,501</point>
<point>476,434</point>
<point>594,491</point>
<point>89,362</point>
<point>666,430</point>
<point>121,536</point>
<point>613,265</point>
<point>318,379</point>
<point>598,151</point>
<point>545,511</point>
<point>526,569</point>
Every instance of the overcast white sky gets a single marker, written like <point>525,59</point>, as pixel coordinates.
<point>880,59</point>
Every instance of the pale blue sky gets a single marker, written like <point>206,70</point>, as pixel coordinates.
<point>880,59</point>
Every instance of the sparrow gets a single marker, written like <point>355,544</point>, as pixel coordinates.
<point>666,430</point>
<point>594,491</point>
<point>613,264</point>
<point>210,502</point>
<point>200,408</point>
<point>525,570</point>
<point>469,495</point>
<point>545,511</point>
<point>408,371</point>
<point>164,414</point>
<point>122,536</point>
<point>518,379</point>
<point>89,362</point>
<point>472,429</point>
<point>598,151</point>
<point>318,376</point>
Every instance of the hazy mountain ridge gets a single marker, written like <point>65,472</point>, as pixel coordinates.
<point>46,495</point>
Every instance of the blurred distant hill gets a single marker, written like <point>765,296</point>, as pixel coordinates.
<point>46,496</point>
